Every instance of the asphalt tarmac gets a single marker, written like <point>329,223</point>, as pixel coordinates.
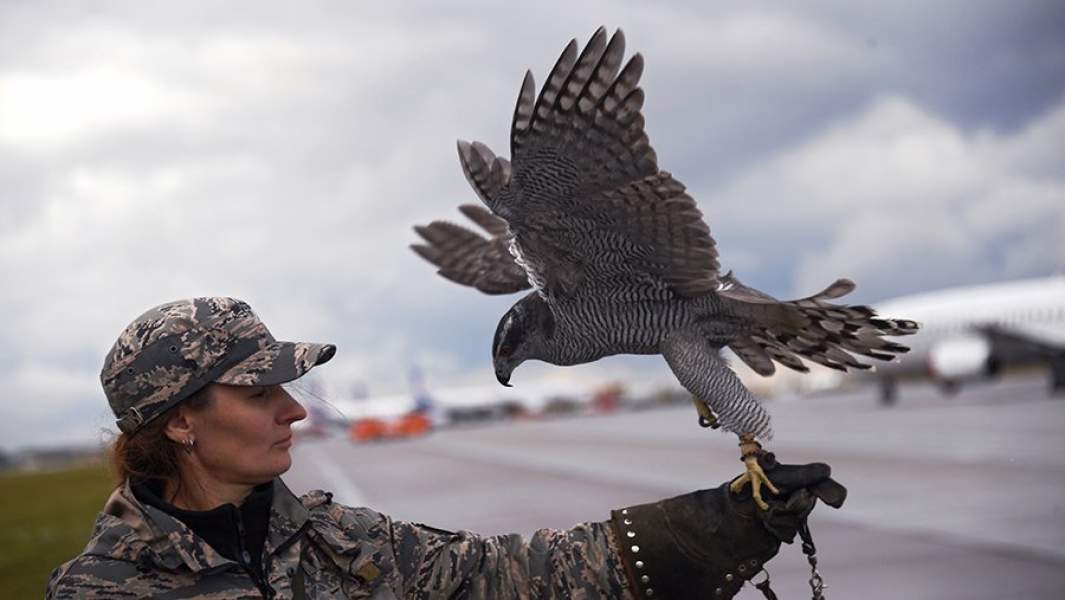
<point>950,498</point>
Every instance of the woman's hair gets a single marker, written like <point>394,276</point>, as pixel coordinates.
<point>147,453</point>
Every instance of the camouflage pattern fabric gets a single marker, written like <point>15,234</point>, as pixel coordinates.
<point>175,349</point>
<point>336,551</point>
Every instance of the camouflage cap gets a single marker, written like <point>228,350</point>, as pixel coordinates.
<point>175,349</point>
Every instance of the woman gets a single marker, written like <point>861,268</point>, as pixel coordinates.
<point>205,425</point>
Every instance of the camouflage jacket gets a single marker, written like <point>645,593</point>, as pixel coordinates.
<point>328,550</point>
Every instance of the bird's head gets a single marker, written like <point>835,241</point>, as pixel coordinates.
<point>523,333</point>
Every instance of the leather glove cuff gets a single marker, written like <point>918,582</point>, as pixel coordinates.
<point>695,545</point>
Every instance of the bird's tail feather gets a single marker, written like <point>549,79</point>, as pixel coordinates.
<point>812,328</point>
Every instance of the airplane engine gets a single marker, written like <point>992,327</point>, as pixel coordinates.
<point>961,358</point>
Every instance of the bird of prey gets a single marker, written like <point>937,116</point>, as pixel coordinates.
<point>619,259</point>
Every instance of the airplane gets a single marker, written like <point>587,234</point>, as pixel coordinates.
<point>377,418</point>
<point>417,411</point>
<point>975,332</point>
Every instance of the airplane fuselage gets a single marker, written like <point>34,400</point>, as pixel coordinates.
<point>972,332</point>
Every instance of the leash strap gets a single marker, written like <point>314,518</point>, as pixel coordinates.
<point>817,584</point>
<point>763,586</point>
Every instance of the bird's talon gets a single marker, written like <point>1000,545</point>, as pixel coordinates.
<point>706,417</point>
<point>737,484</point>
<point>710,423</point>
<point>754,475</point>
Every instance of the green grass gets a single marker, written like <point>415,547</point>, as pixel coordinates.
<point>45,520</point>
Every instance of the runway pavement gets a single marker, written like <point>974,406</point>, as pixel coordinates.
<point>960,498</point>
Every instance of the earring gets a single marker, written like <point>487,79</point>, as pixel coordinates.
<point>188,443</point>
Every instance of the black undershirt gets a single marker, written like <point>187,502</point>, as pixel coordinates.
<point>221,527</point>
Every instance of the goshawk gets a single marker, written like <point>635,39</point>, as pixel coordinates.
<point>619,258</point>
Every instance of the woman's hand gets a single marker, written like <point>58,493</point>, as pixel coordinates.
<point>706,544</point>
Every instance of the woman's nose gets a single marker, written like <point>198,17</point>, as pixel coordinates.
<point>291,410</point>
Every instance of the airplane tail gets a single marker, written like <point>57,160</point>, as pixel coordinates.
<point>424,403</point>
<point>813,328</point>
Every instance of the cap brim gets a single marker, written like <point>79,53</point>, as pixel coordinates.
<point>280,362</point>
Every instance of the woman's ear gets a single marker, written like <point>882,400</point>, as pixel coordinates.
<point>179,428</point>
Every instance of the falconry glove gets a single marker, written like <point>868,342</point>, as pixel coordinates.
<point>708,543</point>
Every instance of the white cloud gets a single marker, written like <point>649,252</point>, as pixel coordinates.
<point>101,80</point>
<point>42,110</point>
<point>901,199</point>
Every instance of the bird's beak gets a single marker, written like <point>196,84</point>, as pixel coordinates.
<point>504,378</point>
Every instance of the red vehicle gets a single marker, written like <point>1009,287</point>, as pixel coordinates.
<point>368,430</point>
<point>411,425</point>
<point>374,429</point>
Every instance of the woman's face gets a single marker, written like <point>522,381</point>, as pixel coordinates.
<point>244,433</point>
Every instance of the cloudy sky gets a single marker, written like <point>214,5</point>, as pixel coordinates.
<point>280,152</point>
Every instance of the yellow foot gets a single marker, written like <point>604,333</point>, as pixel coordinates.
<point>754,475</point>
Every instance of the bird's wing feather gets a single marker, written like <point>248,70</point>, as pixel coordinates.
<point>468,258</point>
<point>483,217</point>
<point>485,171</point>
<point>589,209</point>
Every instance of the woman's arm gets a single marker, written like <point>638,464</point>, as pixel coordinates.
<point>574,563</point>
<point>418,561</point>
<point>701,543</point>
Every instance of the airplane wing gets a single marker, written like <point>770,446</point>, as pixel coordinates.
<point>1018,345</point>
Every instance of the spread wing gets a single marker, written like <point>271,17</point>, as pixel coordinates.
<point>468,258</point>
<point>589,210</point>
